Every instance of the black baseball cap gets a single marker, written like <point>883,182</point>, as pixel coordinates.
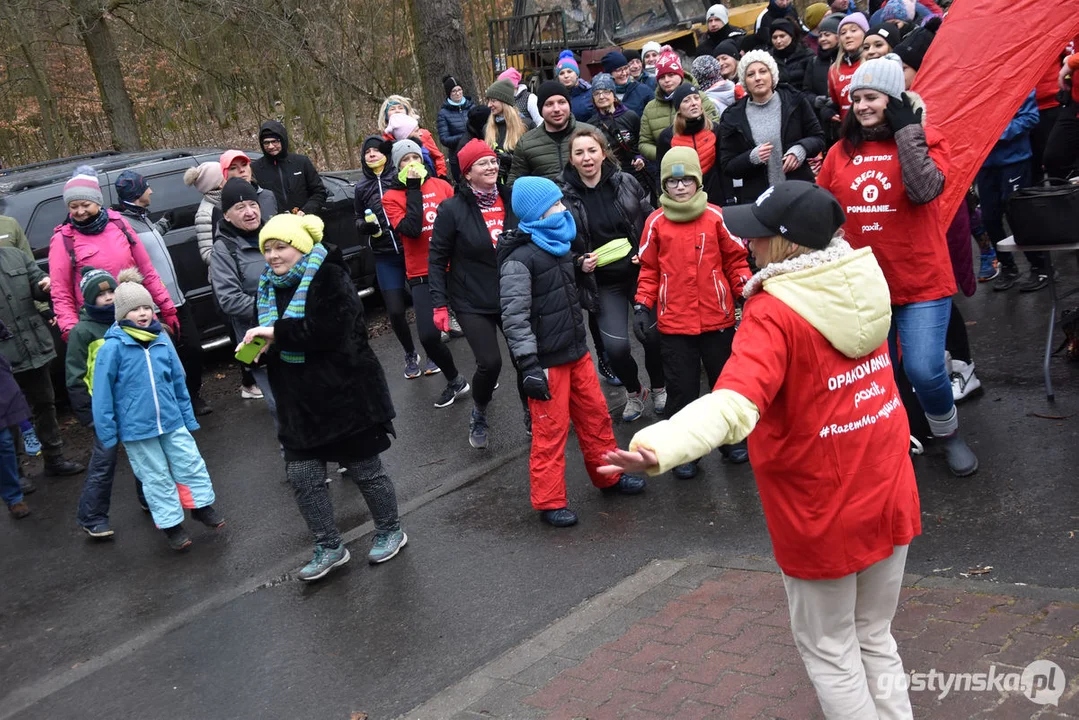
<point>804,213</point>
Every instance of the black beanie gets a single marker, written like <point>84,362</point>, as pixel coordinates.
<point>548,90</point>
<point>912,49</point>
<point>477,120</point>
<point>237,190</point>
<point>681,93</point>
<point>786,26</point>
<point>449,82</point>
<point>727,47</point>
<point>632,55</point>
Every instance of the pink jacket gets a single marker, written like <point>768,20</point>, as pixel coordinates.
<point>117,247</point>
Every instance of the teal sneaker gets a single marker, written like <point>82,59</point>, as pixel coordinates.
<point>386,545</point>
<point>324,561</point>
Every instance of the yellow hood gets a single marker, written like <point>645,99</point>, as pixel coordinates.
<point>839,291</point>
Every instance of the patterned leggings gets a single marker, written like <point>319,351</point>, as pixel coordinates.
<point>308,480</point>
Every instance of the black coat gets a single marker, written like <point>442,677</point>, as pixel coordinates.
<point>622,128</point>
<point>292,178</point>
<point>793,64</point>
<point>798,126</point>
<point>339,391</point>
<point>707,45</point>
<point>461,240</point>
<point>815,89</point>
<point>369,192</point>
<point>541,307</point>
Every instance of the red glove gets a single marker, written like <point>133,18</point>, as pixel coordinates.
<point>442,318</point>
<point>173,324</point>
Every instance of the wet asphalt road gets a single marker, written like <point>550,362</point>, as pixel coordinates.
<point>128,629</point>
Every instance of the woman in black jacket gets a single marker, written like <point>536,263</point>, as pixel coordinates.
<point>622,128</point>
<point>609,208</point>
<point>767,136</point>
<point>692,128</point>
<point>791,55</point>
<point>815,82</point>
<point>389,254</point>
<point>463,269</point>
<point>329,385</point>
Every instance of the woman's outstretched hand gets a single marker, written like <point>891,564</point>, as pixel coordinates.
<point>631,462</point>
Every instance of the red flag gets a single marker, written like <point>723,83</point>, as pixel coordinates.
<point>986,58</point>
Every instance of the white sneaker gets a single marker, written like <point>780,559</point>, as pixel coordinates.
<point>964,381</point>
<point>659,400</point>
<point>250,393</point>
<point>634,405</point>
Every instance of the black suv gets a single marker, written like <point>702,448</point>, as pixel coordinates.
<point>33,195</point>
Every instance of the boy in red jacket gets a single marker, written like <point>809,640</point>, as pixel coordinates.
<point>692,270</point>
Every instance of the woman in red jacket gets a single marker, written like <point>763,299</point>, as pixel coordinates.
<point>810,383</point>
<point>692,271</point>
<point>411,205</point>
<point>888,171</point>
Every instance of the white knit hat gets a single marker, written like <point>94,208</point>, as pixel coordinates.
<point>83,185</point>
<point>717,11</point>
<point>758,56</point>
<point>650,46</point>
<point>884,74</point>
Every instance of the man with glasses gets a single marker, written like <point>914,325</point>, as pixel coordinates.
<point>291,177</point>
<point>629,92</point>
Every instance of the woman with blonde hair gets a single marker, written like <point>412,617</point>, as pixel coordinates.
<point>504,126</point>
<point>693,128</point>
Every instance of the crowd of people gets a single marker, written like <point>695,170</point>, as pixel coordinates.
<point>766,210</point>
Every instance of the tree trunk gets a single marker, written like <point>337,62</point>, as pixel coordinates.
<point>349,115</point>
<point>441,47</point>
<point>100,46</point>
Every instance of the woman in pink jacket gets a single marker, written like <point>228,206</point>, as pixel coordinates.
<point>93,235</point>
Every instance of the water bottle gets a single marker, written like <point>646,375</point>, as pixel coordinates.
<point>369,217</point>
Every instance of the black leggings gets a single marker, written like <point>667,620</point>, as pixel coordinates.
<point>614,304</point>
<point>956,341</point>
<point>683,356</point>
<point>481,332</point>
<point>430,336</point>
<point>396,302</point>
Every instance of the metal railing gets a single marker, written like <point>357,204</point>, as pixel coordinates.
<point>518,41</point>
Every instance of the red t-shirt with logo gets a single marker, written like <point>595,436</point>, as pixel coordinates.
<point>495,219</point>
<point>394,202</point>
<point>908,240</point>
<point>839,85</point>
<point>831,450</point>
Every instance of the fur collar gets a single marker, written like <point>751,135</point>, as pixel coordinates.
<point>836,250</point>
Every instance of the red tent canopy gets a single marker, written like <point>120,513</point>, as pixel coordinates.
<point>987,57</point>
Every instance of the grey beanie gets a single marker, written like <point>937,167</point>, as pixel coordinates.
<point>130,293</point>
<point>404,147</point>
<point>830,23</point>
<point>883,74</point>
<point>603,81</point>
<point>502,91</point>
<point>83,185</point>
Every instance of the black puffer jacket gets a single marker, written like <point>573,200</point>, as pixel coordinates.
<point>633,207</point>
<point>340,389</point>
<point>541,308</point>
<point>707,45</point>
<point>815,89</point>
<point>292,178</point>
<point>798,125</point>
<point>369,192</point>
<point>462,241</point>
<point>793,62</point>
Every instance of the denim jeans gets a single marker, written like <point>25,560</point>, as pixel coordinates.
<point>922,328</point>
<point>9,469</point>
<point>97,487</point>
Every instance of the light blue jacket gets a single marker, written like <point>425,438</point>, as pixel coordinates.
<point>139,392</point>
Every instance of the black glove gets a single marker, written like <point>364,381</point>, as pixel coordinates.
<point>533,379</point>
<point>164,223</point>
<point>820,101</point>
<point>901,113</point>
<point>369,228</point>
<point>644,324</point>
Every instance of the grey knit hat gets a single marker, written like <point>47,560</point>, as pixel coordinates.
<point>706,70</point>
<point>404,147</point>
<point>502,91</point>
<point>130,293</point>
<point>883,74</point>
<point>83,185</point>
<point>830,23</point>
<point>603,81</point>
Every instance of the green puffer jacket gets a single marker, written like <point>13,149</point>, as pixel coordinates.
<point>659,115</point>
<point>30,345</point>
<point>539,155</point>
<point>85,340</point>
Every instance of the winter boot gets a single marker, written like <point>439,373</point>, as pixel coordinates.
<point>961,459</point>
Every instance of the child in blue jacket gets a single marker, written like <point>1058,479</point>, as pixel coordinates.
<point>140,399</point>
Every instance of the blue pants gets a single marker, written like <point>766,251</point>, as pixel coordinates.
<point>9,469</point>
<point>97,487</point>
<point>995,186</point>
<point>173,475</point>
<point>922,328</point>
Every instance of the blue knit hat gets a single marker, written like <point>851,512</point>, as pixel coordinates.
<point>130,186</point>
<point>613,60</point>
<point>566,60</point>
<point>603,81</point>
<point>533,196</point>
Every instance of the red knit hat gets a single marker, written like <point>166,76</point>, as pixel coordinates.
<point>669,63</point>
<point>473,150</point>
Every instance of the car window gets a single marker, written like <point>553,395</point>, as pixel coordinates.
<point>172,195</point>
<point>46,217</point>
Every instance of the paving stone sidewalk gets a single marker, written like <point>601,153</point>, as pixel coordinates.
<point>711,638</point>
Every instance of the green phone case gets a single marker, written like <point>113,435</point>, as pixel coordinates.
<point>247,353</point>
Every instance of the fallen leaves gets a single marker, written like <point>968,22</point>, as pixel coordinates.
<point>977,571</point>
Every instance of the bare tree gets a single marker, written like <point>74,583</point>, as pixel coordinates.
<point>441,46</point>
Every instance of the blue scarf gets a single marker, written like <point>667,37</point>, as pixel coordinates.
<point>458,103</point>
<point>105,314</point>
<point>553,233</point>
<point>94,226</point>
<point>298,276</point>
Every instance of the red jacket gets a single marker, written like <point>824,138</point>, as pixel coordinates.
<point>692,273</point>
<point>431,146</point>
<point>414,221</point>
<point>839,85</point>
<point>1073,65</point>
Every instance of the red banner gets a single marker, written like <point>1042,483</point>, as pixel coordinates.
<point>986,58</point>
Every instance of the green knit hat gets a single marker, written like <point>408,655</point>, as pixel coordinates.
<point>94,282</point>
<point>681,162</point>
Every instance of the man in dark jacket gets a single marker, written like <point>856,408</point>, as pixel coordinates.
<point>453,121</point>
<point>544,151</point>
<point>541,316</point>
<point>629,92</point>
<point>719,29</point>
<point>776,9</point>
<point>291,177</point>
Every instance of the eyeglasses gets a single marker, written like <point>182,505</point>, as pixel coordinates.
<point>485,163</point>
<point>270,141</point>
<point>673,183</point>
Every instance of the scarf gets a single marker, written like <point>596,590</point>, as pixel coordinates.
<point>485,199</point>
<point>694,125</point>
<point>142,335</point>
<point>683,212</point>
<point>105,314</point>
<point>552,233</point>
<point>455,104</point>
<point>403,175</point>
<point>376,167</point>
<point>298,276</point>
<point>93,226</point>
